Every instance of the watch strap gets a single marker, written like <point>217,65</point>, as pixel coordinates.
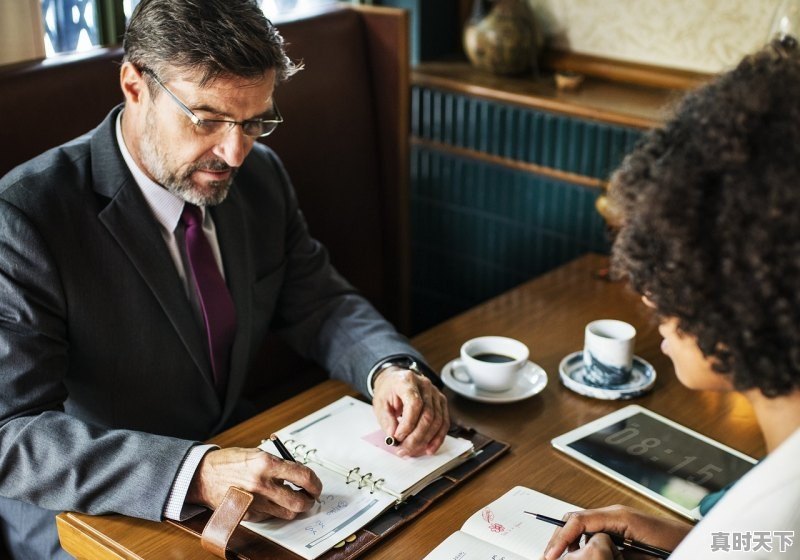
<point>408,362</point>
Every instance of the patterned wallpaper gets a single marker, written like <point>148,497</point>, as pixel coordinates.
<point>698,35</point>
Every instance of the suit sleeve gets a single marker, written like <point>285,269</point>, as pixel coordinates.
<point>321,315</point>
<point>49,457</point>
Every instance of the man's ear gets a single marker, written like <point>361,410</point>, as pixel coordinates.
<point>133,84</point>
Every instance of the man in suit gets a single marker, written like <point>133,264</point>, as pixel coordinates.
<point>141,266</point>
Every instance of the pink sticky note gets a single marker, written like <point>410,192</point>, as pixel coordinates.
<point>378,439</point>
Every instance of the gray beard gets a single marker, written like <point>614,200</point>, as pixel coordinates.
<point>182,185</point>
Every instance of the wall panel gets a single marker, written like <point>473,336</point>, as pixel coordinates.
<point>481,227</point>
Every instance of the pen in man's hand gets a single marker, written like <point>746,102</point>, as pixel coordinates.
<point>287,456</point>
<point>619,540</point>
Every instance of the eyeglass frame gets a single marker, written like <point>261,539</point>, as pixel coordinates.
<point>197,121</point>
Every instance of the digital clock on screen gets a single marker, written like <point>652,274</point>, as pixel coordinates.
<point>646,451</point>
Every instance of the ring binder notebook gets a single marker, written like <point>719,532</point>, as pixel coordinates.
<point>367,480</point>
<point>368,490</point>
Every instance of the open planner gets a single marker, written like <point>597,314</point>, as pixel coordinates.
<point>361,476</point>
<point>502,530</point>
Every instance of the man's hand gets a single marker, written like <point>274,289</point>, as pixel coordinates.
<point>632,524</point>
<point>412,410</point>
<point>257,472</point>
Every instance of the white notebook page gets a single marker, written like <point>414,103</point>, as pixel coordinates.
<point>343,510</point>
<point>462,546</point>
<point>503,523</point>
<point>337,433</point>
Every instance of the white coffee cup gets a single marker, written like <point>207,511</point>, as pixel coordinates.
<point>608,352</point>
<point>491,363</point>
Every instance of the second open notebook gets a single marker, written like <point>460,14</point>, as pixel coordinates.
<point>503,530</point>
<point>361,475</point>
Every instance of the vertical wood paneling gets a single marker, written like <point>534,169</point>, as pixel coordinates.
<point>557,141</point>
<point>478,229</point>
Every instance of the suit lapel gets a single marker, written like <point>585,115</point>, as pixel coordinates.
<point>129,220</point>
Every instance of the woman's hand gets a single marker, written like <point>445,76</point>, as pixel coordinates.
<point>628,522</point>
<point>599,547</point>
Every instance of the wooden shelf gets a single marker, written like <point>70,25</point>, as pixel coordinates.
<point>598,99</point>
<point>623,71</point>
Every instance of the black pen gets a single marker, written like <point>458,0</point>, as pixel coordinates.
<point>619,540</point>
<point>287,456</point>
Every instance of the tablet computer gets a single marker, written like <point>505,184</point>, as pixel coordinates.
<point>675,466</point>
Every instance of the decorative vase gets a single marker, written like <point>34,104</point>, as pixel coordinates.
<point>504,40</point>
<point>786,21</point>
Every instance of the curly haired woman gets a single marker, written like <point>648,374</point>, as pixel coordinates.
<point>711,239</point>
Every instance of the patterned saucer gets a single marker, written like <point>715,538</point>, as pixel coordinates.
<point>571,371</point>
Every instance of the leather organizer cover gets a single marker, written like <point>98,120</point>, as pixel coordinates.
<point>243,544</point>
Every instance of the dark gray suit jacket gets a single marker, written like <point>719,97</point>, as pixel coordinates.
<point>104,380</point>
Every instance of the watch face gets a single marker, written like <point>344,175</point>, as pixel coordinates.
<point>667,460</point>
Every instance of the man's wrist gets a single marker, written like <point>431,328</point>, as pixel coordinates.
<point>176,507</point>
<point>404,362</point>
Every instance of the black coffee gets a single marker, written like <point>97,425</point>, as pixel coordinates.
<point>493,358</point>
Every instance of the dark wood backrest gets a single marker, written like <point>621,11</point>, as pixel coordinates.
<point>344,144</point>
<point>46,103</point>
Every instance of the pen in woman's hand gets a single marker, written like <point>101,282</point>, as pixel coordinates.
<point>619,540</point>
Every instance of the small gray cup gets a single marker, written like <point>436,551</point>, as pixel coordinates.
<point>608,353</point>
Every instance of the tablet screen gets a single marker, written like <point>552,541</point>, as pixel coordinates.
<point>669,461</point>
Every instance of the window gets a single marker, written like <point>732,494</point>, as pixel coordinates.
<point>75,25</point>
<point>274,9</point>
<point>128,6</point>
<point>69,25</point>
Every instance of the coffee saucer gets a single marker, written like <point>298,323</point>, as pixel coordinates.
<point>531,380</point>
<point>571,371</point>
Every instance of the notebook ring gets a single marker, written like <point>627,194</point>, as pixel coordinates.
<point>289,443</point>
<point>307,454</point>
<point>365,480</point>
<point>298,452</point>
<point>350,472</point>
<point>376,485</point>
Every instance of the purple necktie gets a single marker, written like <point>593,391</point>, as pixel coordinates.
<point>219,313</point>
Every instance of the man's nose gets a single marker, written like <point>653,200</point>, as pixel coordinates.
<point>233,146</point>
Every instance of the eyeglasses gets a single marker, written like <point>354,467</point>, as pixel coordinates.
<point>256,128</point>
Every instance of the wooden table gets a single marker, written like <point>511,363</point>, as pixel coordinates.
<point>549,315</point>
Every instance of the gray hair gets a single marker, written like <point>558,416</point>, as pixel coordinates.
<point>218,37</point>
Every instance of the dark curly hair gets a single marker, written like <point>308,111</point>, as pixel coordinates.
<point>711,219</point>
